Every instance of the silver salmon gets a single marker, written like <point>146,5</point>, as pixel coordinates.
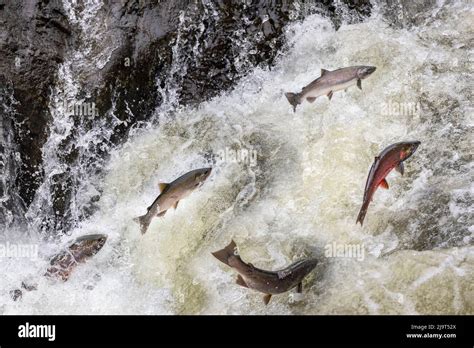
<point>330,82</point>
<point>268,282</point>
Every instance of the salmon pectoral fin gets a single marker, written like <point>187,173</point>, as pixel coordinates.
<point>267,298</point>
<point>400,168</point>
<point>175,205</point>
<point>162,186</point>
<point>311,99</point>
<point>161,214</point>
<point>299,288</point>
<point>384,184</point>
<point>240,281</point>
<point>359,84</point>
<point>330,95</point>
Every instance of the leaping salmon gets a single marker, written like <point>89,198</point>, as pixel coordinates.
<point>392,157</point>
<point>330,82</point>
<point>268,282</point>
<point>80,251</point>
<point>63,263</point>
<point>171,194</point>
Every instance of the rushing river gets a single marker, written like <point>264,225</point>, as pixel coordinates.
<point>297,192</point>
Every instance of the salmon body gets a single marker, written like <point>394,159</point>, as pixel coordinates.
<point>330,82</point>
<point>392,157</point>
<point>171,194</point>
<point>267,282</point>
<point>80,251</point>
<point>63,263</point>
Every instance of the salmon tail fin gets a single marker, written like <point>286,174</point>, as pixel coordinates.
<point>362,212</point>
<point>143,221</point>
<point>294,99</point>
<point>223,255</point>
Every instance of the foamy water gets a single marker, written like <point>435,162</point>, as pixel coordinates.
<point>303,193</point>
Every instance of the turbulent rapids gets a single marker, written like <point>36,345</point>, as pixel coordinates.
<point>298,197</point>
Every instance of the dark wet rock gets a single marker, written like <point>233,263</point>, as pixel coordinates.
<point>33,39</point>
<point>12,208</point>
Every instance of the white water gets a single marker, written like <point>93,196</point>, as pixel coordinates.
<point>304,193</point>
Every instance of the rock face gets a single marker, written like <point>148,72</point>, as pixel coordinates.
<point>33,38</point>
<point>10,202</point>
<point>172,52</point>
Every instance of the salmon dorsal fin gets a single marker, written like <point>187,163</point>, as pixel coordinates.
<point>324,71</point>
<point>162,186</point>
